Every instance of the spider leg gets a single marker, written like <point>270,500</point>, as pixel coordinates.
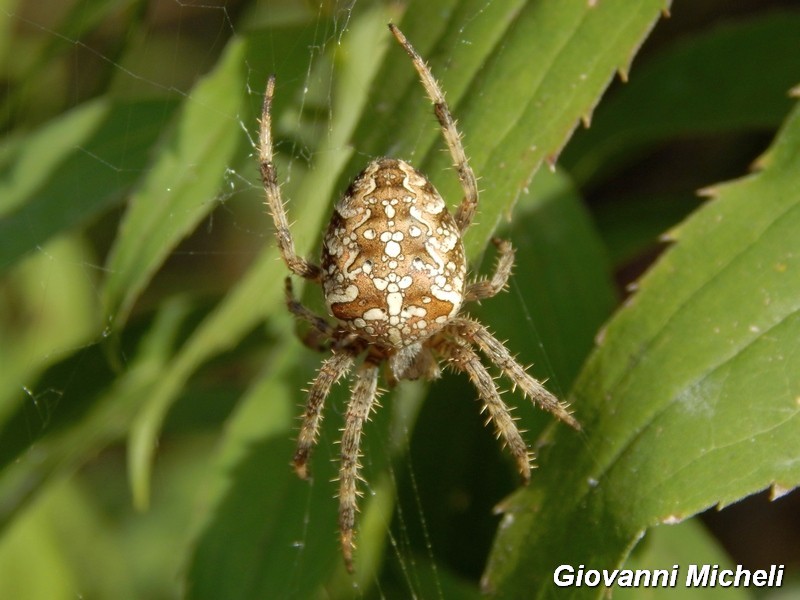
<point>465,359</point>
<point>466,211</point>
<point>486,288</point>
<point>321,328</point>
<point>363,397</point>
<point>298,265</point>
<point>333,368</point>
<point>499,355</point>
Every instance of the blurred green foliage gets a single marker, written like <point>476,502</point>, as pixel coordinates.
<point>150,378</point>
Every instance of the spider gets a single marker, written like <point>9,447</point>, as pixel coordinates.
<point>394,277</point>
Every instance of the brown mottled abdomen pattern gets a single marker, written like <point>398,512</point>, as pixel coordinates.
<point>393,262</point>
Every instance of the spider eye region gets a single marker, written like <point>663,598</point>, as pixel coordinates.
<point>393,265</point>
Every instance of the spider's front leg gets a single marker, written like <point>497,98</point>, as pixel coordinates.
<point>486,288</point>
<point>298,265</point>
<point>466,211</point>
<point>361,403</point>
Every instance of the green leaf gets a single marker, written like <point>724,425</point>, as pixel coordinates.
<point>256,534</point>
<point>694,87</point>
<point>77,409</point>
<point>52,285</point>
<point>691,398</point>
<point>182,187</point>
<point>34,86</point>
<point>72,169</point>
<point>689,94</point>
<point>682,545</point>
<point>60,544</point>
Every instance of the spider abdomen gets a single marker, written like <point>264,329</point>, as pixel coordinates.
<point>393,265</point>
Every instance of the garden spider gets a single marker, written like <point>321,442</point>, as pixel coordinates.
<point>393,274</point>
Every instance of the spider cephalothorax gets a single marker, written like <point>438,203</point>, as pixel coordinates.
<point>393,275</point>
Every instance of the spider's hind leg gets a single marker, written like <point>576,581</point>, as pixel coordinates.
<point>333,369</point>
<point>499,355</point>
<point>464,358</point>
<point>362,400</point>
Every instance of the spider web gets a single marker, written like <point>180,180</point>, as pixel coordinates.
<point>57,382</point>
